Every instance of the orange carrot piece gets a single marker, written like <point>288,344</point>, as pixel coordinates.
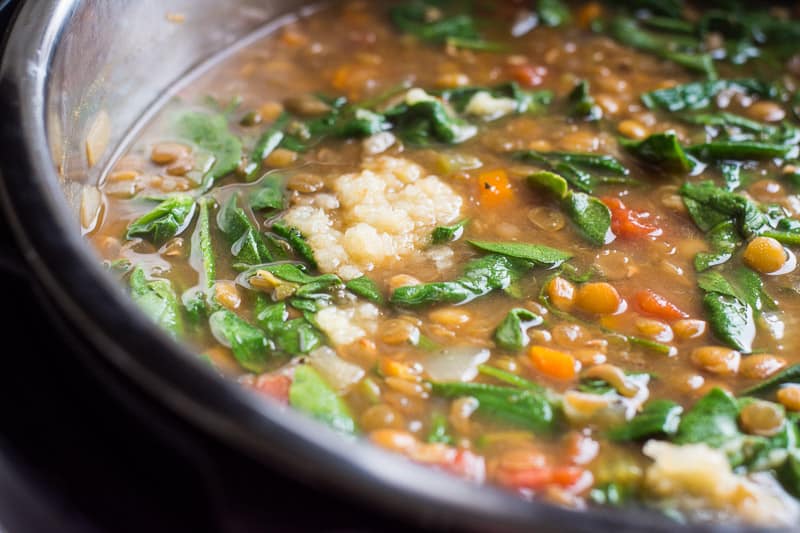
<point>494,188</point>
<point>553,363</point>
<point>654,304</point>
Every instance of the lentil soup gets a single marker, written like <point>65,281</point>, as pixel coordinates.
<point>545,246</point>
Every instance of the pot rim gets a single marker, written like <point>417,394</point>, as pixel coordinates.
<point>64,263</point>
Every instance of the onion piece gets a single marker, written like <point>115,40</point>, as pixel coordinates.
<point>337,372</point>
<point>455,364</point>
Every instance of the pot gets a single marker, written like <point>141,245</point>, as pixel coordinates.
<point>73,70</point>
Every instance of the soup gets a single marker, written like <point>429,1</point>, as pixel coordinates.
<point>547,248</point>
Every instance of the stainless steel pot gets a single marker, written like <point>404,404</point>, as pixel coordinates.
<point>73,67</point>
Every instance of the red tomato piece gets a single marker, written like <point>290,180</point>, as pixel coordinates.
<point>275,386</point>
<point>528,75</point>
<point>654,304</point>
<point>629,223</point>
<point>540,478</point>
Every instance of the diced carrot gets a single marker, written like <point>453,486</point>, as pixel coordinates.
<point>629,223</point>
<point>654,304</point>
<point>553,363</point>
<point>275,386</point>
<point>494,188</point>
<point>527,75</point>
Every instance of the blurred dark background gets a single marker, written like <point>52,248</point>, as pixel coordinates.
<point>75,457</point>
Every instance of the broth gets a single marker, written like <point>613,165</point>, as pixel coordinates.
<point>549,249</point>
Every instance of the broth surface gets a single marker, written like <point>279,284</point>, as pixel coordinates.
<point>548,248</point>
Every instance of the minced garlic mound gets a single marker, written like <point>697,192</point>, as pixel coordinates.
<point>696,478</point>
<point>385,212</point>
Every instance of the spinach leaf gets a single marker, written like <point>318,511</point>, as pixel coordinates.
<point>729,120</point>
<point>524,101</point>
<point>552,12</point>
<point>699,94</point>
<point>627,31</point>
<point>724,241</point>
<point>167,219</point>
<point>247,243</point>
<point>210,133</point>
<point>201,240</point>
<point>311,394</point>
<point>710,206</point>
<point>573,167</point>
<point>787,375</point>
<point>521,407</point>
<point>591,216</point>
<point>512,333</point>
<point>422,119</point>
<point>606,163</point>
<point>294,337</point>
<point>157,300</point>
<point>581,103</point>
<point>751,289</point>
<point>551,181</point>
<point>249,345</point>
<point>731,318</point>
<point>661,149</point>
<point>712,420</point>
<point>445,234</point>
<point>538,254</point>
<point>739,150</point>
<point>266,144</point>
<point>415,18</point>
<point>195,299</point>
<point>657,417</point>
<point>269,195</point>
<point>296,240</point>
<point>512,379</point>
<point>480,277</point>
<point>365,288</point>
<point>789,474</point>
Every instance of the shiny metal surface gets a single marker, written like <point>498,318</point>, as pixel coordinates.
<point>68,63</point>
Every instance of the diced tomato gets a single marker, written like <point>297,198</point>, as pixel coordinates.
<point>275,386</point>
<point>528,75</point>
<point>540,478</point>
<point>654,304</point>
<point>629,223</point>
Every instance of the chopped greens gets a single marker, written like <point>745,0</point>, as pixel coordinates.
<point>311,394</point>
<point>538,254</point>
<point>167,219</point>
<point>445,234</point>
<point>512,333</point>
<point>481,276</point>
<point>209,133</point>
<point>157,299</point>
